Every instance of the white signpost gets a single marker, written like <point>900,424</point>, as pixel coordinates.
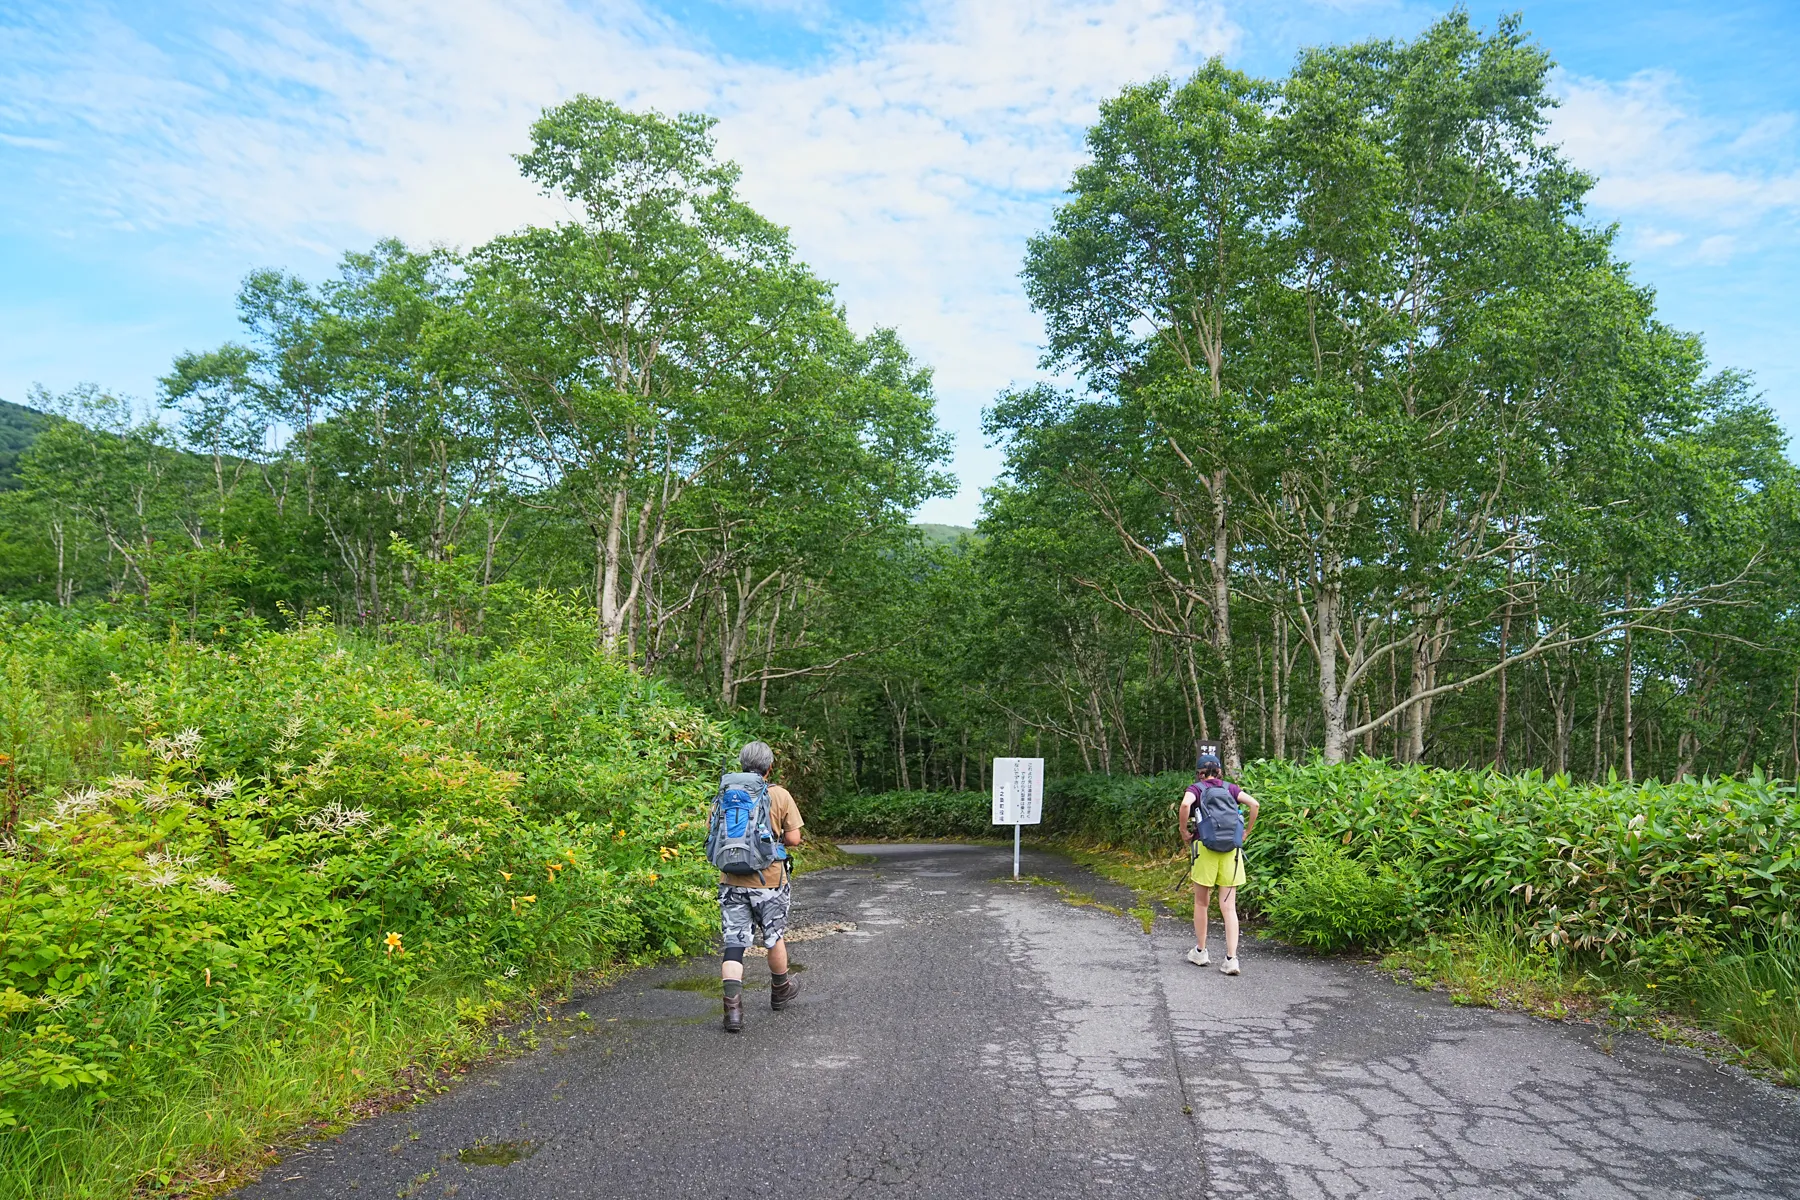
<point>1018,796</point>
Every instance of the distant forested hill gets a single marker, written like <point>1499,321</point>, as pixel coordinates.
<point>18,426</point>
<point>943,535</point>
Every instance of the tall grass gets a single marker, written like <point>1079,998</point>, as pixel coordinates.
<point>1751,993</point>
<point>272,1076</point>
<point>1485,957</point>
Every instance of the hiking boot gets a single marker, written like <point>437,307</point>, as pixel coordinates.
<point>1229,967</point>
<point>1199,957</point>
<point>734,1014</point>
<point>781,993</point>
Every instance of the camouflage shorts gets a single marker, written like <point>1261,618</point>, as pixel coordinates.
<point>740,908</point>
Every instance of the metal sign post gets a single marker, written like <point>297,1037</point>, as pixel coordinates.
<point>1018,796</point>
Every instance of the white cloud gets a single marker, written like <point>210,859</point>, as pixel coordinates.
<point>1716,249</point>
<point>1708,202</point>
<point>29,143</point>
<point>1773,132</point>
<point>1653,155</point>
<point>910,165</point>
<point>1607,127</point>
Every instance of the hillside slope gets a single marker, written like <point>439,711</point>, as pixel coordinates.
<point>19,425</point>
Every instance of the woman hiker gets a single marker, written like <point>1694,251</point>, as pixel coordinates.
<point>1215,829</point>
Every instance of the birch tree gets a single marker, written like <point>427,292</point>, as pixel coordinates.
<point>1152,281</point>
<point>644,340</point>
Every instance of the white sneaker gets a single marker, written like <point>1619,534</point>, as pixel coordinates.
<point>1229,967</point>
<point>1199,957</point>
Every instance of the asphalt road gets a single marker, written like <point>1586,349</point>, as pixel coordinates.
<point>973,1039</point>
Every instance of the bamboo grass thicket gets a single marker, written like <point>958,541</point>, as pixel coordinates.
<point>1648,875</point>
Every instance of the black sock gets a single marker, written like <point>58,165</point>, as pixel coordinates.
<point>777,979</point>
<point>733,987</point>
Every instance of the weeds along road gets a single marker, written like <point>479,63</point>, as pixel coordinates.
<point>971,1038</point>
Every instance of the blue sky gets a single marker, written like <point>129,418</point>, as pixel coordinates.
<point>152,153</point>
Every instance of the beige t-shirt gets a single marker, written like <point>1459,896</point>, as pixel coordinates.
<point>784,817</point>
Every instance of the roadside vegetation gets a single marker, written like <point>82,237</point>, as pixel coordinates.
<point>1610,898</point>
<point>248,881</point>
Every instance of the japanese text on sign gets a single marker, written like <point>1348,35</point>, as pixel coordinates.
<point>1018,791</point>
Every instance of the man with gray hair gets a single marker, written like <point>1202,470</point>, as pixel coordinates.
<point>752,825</point>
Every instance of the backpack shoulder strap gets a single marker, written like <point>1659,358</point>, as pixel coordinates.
<point>1214,788</point>
<point>765,825</point>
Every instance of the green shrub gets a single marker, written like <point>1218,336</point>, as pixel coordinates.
<point>1115,810</point>
<point>51,664</point>
<point>1639,875</point>
<point>899,815</point>
<point>304,826</point>
<point>1131,812</point>
<point>1646,876</point>
<point>1329,900</point>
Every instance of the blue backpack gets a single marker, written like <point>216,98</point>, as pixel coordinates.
<point>1214,817</point>
<point>739,838</point>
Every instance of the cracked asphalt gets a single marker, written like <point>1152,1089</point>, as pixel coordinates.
<point>974,1039</point>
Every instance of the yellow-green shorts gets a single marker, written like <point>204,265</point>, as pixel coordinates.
<point>1217,868</point>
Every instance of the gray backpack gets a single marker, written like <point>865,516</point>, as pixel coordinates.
<point>1214,817</point>
<point>739,838</point>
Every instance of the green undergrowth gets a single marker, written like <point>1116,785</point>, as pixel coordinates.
<point>1331,900</point>
<point>903,816</point>
<point>250,884</point>
<point>1748,993</point>
<point>201,1135</point>
<point>1482,959</point>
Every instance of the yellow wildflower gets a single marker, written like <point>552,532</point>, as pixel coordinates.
<point>506,875</point>
<point>393,944</point>
<point>652,877</point>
